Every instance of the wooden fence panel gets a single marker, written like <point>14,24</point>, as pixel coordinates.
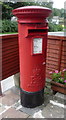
<point>56,54</point>
<point>10,56</point>
<point>9,52</point>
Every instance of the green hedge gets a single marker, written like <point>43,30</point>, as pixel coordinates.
<point>9,26</point>
<point>54,27</point>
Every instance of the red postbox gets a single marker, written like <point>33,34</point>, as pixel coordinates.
<point>32,28</point>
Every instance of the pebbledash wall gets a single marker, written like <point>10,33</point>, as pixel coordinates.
<point>56,54</point>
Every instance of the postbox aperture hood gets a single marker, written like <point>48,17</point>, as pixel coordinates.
<point>31,12</point>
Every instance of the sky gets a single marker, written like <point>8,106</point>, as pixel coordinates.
<point>58,3</point>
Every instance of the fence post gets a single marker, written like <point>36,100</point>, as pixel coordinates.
<point>60,55</point>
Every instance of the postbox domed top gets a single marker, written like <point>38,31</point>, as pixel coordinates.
<point>32,7</point>
<point>32,12</point>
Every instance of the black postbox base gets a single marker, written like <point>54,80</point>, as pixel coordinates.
<point>32,99</point>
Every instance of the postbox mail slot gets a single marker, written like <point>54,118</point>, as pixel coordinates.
<point>36,31</point>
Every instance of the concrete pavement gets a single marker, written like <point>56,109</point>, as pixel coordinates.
<point>54,106</point>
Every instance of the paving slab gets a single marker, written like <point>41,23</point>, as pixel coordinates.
<point>2,108</point>
<point>58,100</point>
<point>13,113</point>
<point>56,108</point>
<point>30,118</point>
<point>10,97</point>
<point>16,90</point>
<point>30,111</point>
<point>53,111</point>
<point>47,110</point>
<point>60,95</point>
<point>46,119</point>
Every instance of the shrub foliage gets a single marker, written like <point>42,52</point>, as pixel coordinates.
<point>55,27</point>
<point>9,26</point>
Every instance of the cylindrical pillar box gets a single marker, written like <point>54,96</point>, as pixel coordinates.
<point>32,28</point>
